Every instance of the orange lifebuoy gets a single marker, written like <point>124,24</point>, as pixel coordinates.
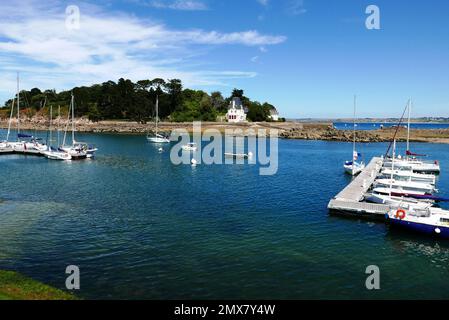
<point>400,214</point>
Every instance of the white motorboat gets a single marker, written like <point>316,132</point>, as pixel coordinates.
<point>406,185</point>
<point>156,137</point>
<point>190,147</point>
<point>409,175</point>
<point>353,167</point>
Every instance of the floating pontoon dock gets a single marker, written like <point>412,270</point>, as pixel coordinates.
<point>349,200</point>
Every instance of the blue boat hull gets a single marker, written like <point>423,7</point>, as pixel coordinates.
<point>421,228</point>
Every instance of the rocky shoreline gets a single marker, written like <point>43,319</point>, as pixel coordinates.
<point>286,130</point>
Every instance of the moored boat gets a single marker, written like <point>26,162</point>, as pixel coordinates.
<point>51,153</point>
<point>353,167</point>
<point>406,185</point>
<point>190,147</point>
<point>77,151</point>
<point>409,175</point>
<point>399,192</point>
<point>397,202</point>
<point>156,137</point>
<point>430,221</point>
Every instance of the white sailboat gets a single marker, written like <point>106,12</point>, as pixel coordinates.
<point>392,189</point>
<point>353,167</point>
<point>397,202</point>
<point>414,165</point>
<point>51,153</point>
<point>156,137</point>
<point>406,185</point>
<point>410,162</point>
<point>76,151</point>
<point>5,145</point>
<point>430,221</point>
<point>26,144</point>
<point>409,175</point>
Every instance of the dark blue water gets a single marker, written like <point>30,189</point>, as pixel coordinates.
<point>376,126</point>
<point>140,227</point>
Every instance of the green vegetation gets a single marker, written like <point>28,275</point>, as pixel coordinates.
<point>14,286</point>
<point>126,100</point>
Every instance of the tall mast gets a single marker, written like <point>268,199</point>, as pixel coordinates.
<point>73,119</point>
<point>157,112</point>
<point>392,166</point>
<point>353,148</point>
<point>408,126</point>
<point>51,128</point>
<point>10,120</point>
<point>67,124</point>
<point>59,121</point>
<point>18,104</point>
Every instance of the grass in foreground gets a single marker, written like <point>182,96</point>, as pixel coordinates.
<point>14,286</point>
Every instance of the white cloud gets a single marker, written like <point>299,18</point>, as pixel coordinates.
<point>108,46</point>
<point>186,5</point>
<point>263,2</point>
<point>296,7</point>
<point>255,59</point>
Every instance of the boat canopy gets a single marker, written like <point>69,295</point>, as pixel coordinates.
<point>21,135</point>
<point>409,153</point>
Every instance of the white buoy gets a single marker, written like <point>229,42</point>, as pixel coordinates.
<point>161,150</point>
<point>437,230</point>
<point>193,162</point>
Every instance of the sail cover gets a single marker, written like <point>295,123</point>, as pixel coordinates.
<point>20,135</point>
<point>409,153</point>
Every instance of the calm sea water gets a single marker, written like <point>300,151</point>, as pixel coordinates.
<point>140,227</point>
<point>377,126</point>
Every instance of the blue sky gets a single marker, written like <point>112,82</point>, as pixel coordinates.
<point>308,57</point>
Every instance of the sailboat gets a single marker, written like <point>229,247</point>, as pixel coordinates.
<point>5,145</point>
<point>409,175</point>
<point>51,153</point>
<point>76,151</point>
<point>156,137</point>
<point>406,185</point>
<point>430,221</point>
<point>410,160</point>
<point>353,167</point>
<point>26,143</point>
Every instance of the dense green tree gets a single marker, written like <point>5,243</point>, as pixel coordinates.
<point>218,102</point>
<point>136,101</point>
